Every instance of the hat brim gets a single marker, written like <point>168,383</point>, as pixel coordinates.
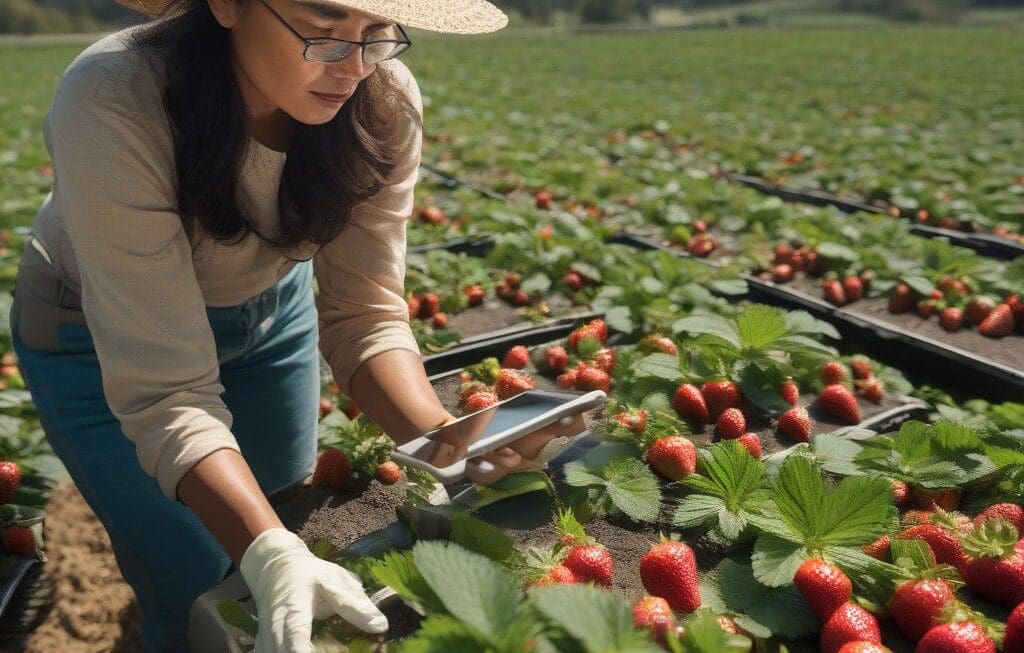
<point>450,17</point>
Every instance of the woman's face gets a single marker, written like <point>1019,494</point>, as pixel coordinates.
<point>268,57</point>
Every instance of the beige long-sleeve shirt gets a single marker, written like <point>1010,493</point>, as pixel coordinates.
<point>114,236</point>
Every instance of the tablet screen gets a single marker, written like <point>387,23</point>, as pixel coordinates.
<point>447,445</point>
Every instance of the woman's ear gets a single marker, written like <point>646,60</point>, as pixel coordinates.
<point>225,11</point>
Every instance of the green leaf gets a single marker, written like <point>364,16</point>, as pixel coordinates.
<point>398,571</point>
<point>619,318</point>
<point>759,326</point>
<point>511,486</point>
<point>601,621</point>
<point>775,561</point>
<point>835,453</point>
<point>440,633</point>
<point>856,513</point>
<point>703,634</point>
<point>478,536</point>
<point>696,509</point>
<point>802,322</point>
<point>536,284</point>
<point>657,365</point>
<point>234,613</point>
<point>709,324</point>
<point>837,252</point>
<point>633,488</point>
<point>472,588</point>
<point>920,285</point>
<point>781,610</point>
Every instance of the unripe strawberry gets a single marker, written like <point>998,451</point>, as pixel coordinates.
<point>635,421</point>
<point>389,473</point>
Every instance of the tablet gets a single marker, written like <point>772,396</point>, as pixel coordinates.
<point>443,451</point>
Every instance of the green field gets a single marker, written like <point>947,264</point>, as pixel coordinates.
<point>925,117</point>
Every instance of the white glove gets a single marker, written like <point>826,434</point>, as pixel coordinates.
<point>291,587</point>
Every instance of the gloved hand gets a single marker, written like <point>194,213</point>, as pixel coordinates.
<point>291,587</point>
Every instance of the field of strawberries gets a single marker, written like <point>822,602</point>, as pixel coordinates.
<point>812,350</point>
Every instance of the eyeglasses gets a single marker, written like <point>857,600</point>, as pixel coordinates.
<point>328,50</point>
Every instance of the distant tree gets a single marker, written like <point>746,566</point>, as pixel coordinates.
<point>611,11</point>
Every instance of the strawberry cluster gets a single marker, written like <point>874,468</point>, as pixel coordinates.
<point>786,261</point>
<point>427,307</point>
<point>720,402</point>
<point>18,540</point>
<point>959,306</point>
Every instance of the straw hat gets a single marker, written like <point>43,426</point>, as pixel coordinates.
<point>449,16</point>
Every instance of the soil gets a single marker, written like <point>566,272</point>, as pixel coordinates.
<point>80,563</point>
<point>496,314</point>
<point>315,513</point>
<point>1008,351</point>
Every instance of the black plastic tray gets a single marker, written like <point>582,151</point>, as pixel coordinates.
<point>452,181</point>
<point>644,243</point>
<point>984,244</point>
<point>497,343</point>
<point>477,246</point>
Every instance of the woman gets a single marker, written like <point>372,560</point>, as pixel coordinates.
<point>208,166</point>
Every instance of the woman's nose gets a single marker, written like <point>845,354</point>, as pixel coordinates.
<point>351,67</point>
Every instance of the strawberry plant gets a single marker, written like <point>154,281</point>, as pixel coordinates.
<point>617,483</point>
<point>729,486</point>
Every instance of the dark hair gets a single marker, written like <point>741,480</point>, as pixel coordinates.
<point>329,168</point>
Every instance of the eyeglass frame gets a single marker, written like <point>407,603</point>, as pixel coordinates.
<point>322,39</point>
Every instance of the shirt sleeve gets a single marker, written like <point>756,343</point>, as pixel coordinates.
<point>360,274</point>
<point>114,184</point>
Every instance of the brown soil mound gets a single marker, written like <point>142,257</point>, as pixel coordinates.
<point>94,609</point>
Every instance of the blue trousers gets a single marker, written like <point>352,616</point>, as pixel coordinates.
<point>271,374</point>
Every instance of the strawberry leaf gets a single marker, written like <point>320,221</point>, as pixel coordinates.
<point>234,613</point>
<point>626,482</point>
<point>398,571</point>
<point>471,587</point>
<point>440,633</point>
<point>659,366</point>
<point>599,620</point>
<point>713,326</point>
<point>703,634</point>
<point>780,610</point>
<point>775,560</point>
<point>759,326</point>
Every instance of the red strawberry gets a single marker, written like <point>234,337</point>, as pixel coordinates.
<point>720,395</point>
<point>655,613</point>
<point>871,389</point>
<point>414,302</point>
<point>833,372</point>
<point>951,318</point>
<point>656,342</point>
<point>557,575</point>
<point>567,380</point>
<point>701,245</point>
<point>543,199</point>
<point>1014,639</point>
<point>20,541</point>
<point>440,320</point>
<point>783,253</point>
<point>516,358</point>
<point>635,421</point>
<point>850,623</point>
<point>581,334</point>
<point>823,585</point>
<point>943,543</point>
<point>556,358</point>
<point>833,292</point>
<point>512,382</point>
<point>879,548</point>
<point>902,299</point>
<point>863,647</point>
<point>861,368</point>
<point>790,391</point>
<point>926,499</point>
<point>590,563</point>
<point>956,637</point>
<point>520,298</point>
<point>600,327</point>
<point>917,605</point>
<point>432,215</point>
<point>995,568</point>
<point>332,469</point>
<point>326,408</point>
<point>572,280</point>
<point>901,495</point>
<point>999,322</point>
<point>731,424</point>
<point>669,570</point>
<point>700,226</point>
<point>430,304</point>
<point>839,402</point>
<point>978,309</point>
<point>1016,304</point>
<point>673,457</point>
<point>927,308</point>
<point>782,273</point>
<point>605,360</point>
<point>591,378</point>
<point>914,517</point>
<point>475,294</point>
<point>853,287</point>
<point>752,442</point>
<point>389,473</point>
<point>1011,512</point>
<point>689,403</point>
<point>479,400</point>
<point>513,279</point>
<point>795,423</point>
